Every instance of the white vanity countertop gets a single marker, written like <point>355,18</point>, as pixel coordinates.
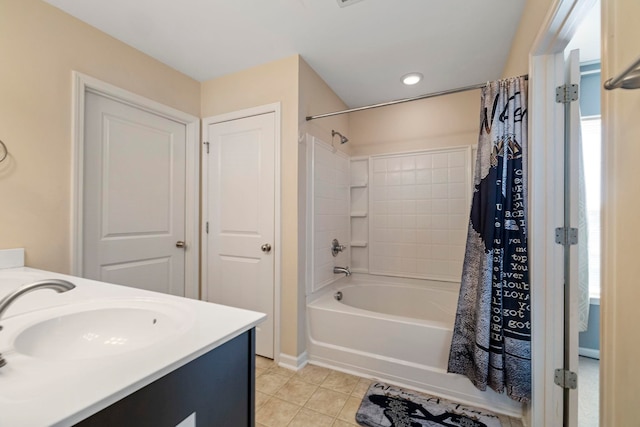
<point>43,392</point>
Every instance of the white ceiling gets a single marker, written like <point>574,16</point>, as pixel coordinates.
<point>360,50</point>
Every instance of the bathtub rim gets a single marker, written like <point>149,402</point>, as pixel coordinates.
<point>365,278</point>
<point>325,300</point>
<point>329,303</point>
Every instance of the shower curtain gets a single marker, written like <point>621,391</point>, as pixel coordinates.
<point>583,244</point>
<point>491,342</point>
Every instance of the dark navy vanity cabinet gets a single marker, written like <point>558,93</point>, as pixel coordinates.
<point>219,387</point>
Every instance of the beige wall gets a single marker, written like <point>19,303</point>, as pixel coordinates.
<point>316,97</point>
<point>42,45</point>
<point>533,16</point>
<point>266,84</point>
<point>445,121</point>
<point>39,48</point>
<point>620,371</point>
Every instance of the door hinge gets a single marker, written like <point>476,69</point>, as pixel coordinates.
<point>207,227</point>
<point>565,378</point>
<point>566,236</point>
<point>567,93</point>
<point>207,145</point>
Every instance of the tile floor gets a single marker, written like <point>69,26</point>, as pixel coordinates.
<point>312,397</point>
<point>588,392</point>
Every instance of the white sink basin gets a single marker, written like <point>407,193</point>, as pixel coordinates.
<point>101,331</point>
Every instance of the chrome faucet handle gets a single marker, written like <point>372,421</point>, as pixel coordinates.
<point>57,285</point>
<point>336,247</point>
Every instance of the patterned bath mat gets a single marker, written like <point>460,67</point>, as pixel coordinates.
<point>390,406</point>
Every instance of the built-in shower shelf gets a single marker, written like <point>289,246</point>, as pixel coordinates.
<point>359,183</point>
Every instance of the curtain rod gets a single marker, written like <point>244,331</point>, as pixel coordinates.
<point>400,101</point>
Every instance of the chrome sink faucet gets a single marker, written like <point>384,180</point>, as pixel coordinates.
<point>57,285</point>
<point>339,270</point>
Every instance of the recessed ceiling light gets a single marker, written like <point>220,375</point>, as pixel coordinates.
<point>411,78</point>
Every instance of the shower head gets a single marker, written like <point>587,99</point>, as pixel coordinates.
<point>343,139</point>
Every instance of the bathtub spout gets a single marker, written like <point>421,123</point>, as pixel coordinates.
<point>339,270</point>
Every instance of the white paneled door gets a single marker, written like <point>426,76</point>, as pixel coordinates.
<point>572,154</point>
<point>240,216</point>
<point>133,197</point>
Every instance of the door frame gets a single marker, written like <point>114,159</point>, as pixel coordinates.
<point>82,84</point>
<point>277,251</point>
<point>546,208</point>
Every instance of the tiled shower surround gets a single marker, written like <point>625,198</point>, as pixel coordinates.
<point>400,214</point>
<point>330,211</point>
<point>406,214</point>
<point>419,209</point>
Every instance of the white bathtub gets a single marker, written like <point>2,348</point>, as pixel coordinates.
<point>395,330</point>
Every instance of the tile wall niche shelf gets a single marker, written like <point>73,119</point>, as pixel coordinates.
<point>360,259</point>
<point>359,170</point>
<point>359,203</point>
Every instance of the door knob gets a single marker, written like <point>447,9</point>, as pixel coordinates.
<point>266,248</point>
<point>181,244</point>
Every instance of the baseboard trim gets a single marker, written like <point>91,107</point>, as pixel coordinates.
<point>589,352</point>
<point>293,363</point>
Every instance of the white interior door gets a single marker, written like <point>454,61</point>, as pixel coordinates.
<point>572,117</point>
<point>241,203</point>
<point>133,197</point>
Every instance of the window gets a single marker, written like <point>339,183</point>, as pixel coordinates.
<point>591,149</point>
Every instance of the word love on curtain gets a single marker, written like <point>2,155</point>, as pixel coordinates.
<point>491,342</point>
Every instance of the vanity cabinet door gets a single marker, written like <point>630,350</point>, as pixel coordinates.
<point>218,386</point>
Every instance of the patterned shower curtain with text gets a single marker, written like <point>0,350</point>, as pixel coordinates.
<point>491,342</point>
